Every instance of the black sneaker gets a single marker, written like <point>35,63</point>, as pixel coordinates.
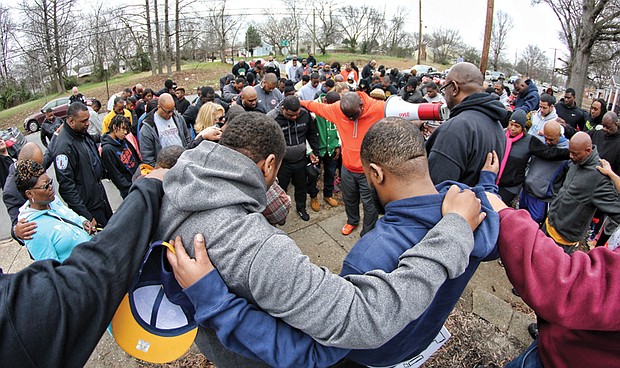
<point>515,292</point>
<point>303,214</point>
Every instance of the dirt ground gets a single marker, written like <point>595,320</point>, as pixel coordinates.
<point>474,341</point>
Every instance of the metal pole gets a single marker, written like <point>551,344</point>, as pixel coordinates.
<point>487,37</point>
<point>553,70</point>
<point>420,35</point>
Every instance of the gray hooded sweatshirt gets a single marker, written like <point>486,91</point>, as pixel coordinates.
<point>221,193</point>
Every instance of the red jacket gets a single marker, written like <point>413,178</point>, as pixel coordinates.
<point>351,132</point>
<point>576,298</point>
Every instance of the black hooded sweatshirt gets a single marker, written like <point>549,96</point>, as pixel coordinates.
<point>457,150</point>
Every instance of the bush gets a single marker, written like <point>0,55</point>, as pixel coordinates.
<point>71,82</point>
<point>13,94</point>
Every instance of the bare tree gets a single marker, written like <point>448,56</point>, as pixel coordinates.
<point>584,23</point>
<point>224,27</point>
<point>375,27</point>
<point>275,29</point>
<point>7,26</point>
<point>499,36</point>
<point>297,12</point>
<point>160,67</point>
<point>533,62</point>
<point>48,30</point>
<point>397,41</point>
<point>167,46</point>
<point>444,43</point>
<point>149,36</point>
<point>327,33</point>
<point>352,21</point>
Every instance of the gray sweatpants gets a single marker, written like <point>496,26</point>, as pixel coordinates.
<point>355,187</point>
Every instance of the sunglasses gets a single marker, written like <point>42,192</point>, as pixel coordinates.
<point>167,112</point>
<point>46,186</point>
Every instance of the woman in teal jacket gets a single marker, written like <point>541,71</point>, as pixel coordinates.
<point>59,229</point>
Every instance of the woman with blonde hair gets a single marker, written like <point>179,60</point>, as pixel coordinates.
<point>209,115</point>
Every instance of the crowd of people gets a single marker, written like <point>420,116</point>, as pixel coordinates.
<point>512,173</point>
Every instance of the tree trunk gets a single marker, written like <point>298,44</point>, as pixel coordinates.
<point>167,38</point>
<point>579,74</point>
<point>160,67</point>
<point>177,37</point>
<point>57,57</point>
<point>149,35</point>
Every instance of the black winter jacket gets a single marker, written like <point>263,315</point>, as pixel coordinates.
<point>120,160</point>
<point>296,133</point>
<point>79,172</point>
<point>53,314</point>
<point>458,148</point>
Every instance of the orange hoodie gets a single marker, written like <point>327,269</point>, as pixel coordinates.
<point>351,132</point>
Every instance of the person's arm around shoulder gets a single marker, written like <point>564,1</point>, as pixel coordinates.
<point>243,328</point>
<point>66,297</point>
<point>355,315</point>
<point>548,279</point>
<point>547,152</point>
<point>488,175</point>
<point>605,169</point>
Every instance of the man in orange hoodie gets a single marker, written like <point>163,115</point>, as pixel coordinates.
<point>353,115</point>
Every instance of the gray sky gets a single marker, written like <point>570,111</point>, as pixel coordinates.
<point>536,25</point>
<point>533,24</point>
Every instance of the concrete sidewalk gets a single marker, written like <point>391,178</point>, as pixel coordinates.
<point>488,295</point>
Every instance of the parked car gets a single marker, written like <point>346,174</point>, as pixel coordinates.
<point>424,69</point>
<point>513,79</point>
<point>14,140</point>
<point>59,106</point>
<point>494,76</point>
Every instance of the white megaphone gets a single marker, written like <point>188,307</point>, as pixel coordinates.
<point>396,106</point>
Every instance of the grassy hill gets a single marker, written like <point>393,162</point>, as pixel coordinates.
<point>192,75</point>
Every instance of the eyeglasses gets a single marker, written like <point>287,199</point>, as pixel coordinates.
<point>167,112</point>
<point>46,186</point>
<point>443,88</point>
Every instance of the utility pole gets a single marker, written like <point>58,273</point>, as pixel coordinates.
<point>553,70</point>
<point>420,35</point>
<point>487,37</point>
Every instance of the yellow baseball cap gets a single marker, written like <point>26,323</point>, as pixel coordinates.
<point>154,322</point>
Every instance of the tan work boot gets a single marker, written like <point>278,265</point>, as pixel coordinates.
<point>314,204</point>
<point>331,201</point>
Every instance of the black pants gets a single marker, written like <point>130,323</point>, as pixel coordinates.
<point>329,172</point>
<point>295,172</point>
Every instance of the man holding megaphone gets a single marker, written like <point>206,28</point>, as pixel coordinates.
<point>353,115</point>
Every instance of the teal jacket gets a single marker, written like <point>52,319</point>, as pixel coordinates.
<point>55,237</point>
<point>328,135</point>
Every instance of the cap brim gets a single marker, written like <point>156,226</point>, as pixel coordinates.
<point>142,344</point>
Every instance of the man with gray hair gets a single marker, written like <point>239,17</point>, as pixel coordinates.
<point>268,96</point>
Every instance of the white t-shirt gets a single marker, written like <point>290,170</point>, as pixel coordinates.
<point>168,132</point>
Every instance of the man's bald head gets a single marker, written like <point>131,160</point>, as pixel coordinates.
<point>249,97</point>
<point>165,105</point>
<point>31,151</point>
<point>552,132</point>
<point>463,80</point>
<point>580,147</point>
<point>351,105</point>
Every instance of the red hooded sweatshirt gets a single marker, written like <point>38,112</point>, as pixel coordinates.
<point>576,298</point>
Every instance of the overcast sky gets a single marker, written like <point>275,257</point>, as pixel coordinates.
<point>533,24</point>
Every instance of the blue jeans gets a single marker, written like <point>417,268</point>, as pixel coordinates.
<point>528,359</point>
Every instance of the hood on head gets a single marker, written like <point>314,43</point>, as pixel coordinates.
<point>212,176</point>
